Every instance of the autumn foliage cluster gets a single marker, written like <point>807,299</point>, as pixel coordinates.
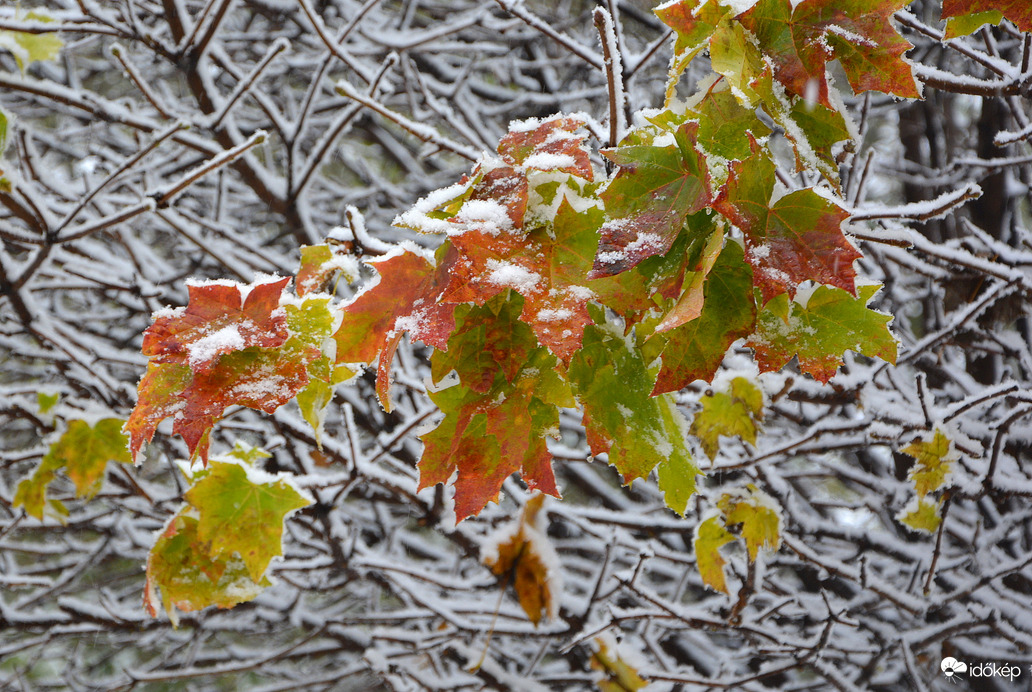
<point>770,367</point>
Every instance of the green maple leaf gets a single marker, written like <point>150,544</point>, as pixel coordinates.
<point>932,461</point>
<point>487,340</point>
<point>736,412</point>
<point>798,238</point>
<point>83,451</point>
<point>695,349</point>
<point>831,323</point>
<point>647,202</point>
<point>965,24</point>
<point>242,511</point>
<point>710,536</point>
<point>624,420</point>
<point>726,127</point>
<point>189,576</point>
<point>310,322</point>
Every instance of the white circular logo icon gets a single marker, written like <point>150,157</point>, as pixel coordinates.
<point>952,667</point>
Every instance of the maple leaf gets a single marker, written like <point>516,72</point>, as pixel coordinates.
<point>219,319</point>
<point>831,323</point>
<point>623,419</point>
<point>759,520</point>
<point>862,37</point>
<point>189,576</point>
<point>798,238</point>
<point>262,379</point>
<point>241,511</point>
<point>921,515</point>
<point>694,350</point>
<point>654,190</point>
<point>726,127</point>
<point>311,320</point>
<point>710,536</point>
<point>550,144</point>
<point>933,457</point>
<point>83,451</point>
<point>736,412</point>
<point>319,263</point>
<point>619,675</point>
<point>801,40</point>
<point>758,515</point>
<point>547,266</point>
<point>487,434</point>
<point>407,298</point>
<point>28,47</point>
<point>31,493</point>
<point>524,555</point>
<point>1018,11</point>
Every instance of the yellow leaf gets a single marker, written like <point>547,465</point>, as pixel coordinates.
<point>933,458</point>
<point>709,537</point>
<point>619,676</point>
<point>921,515</point>
<point>758,515</point>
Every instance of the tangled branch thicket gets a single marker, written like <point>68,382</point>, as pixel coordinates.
<point>189,138</point>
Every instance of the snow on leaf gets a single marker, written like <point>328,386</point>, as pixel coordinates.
<point>28,47</point>
<point>407,298</point>
<point>831,323</point>
<point>522,554</point>
<point>736,412</point>
<point>695,349</point>
<point>547,266</point>
<point>552,145</point>
<point>319,263</point>
<point>710,536</point>
<point>218,320</point>
<point>798,238</point>
<point>654,190</point>
<point>617,674</point>
<point>933,456</point>
<point>262,379</point>
<point>190,576</point>
<point>693,22</point>
<point>1018,11</point>
<point>624,420</point>
<point>242,512</point>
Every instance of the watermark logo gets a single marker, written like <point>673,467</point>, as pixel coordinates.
<point>954,670</point>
